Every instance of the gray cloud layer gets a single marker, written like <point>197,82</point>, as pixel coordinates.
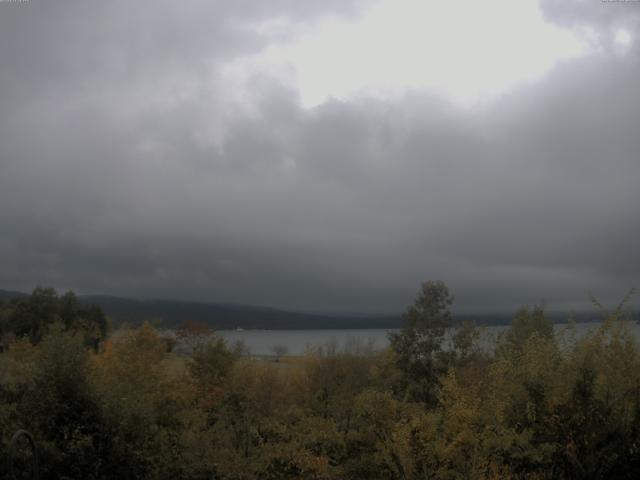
<point>127,168</point>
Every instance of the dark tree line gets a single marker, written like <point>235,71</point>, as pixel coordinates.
<point>33,315</point>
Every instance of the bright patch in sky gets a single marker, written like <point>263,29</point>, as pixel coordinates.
<point>467,50</point>
<point>623,38</point>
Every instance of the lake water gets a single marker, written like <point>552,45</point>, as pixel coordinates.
<point>296,342</point>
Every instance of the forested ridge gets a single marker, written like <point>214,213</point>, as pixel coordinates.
<point>120,404</point>
<point>172,313</point>
<point>223,316</point>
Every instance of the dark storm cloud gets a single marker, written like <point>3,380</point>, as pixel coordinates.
<point>603,16</point>
<point>128,166</point>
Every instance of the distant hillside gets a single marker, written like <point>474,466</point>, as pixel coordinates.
<point>171,313</point>
<point>8,294</point>
<point>223,316</point>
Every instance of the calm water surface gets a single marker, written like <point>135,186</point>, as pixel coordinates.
<point>261,342</point>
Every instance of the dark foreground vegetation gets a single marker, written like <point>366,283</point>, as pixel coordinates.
<point>536,406</point>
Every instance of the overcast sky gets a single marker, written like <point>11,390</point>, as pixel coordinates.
<point>321,155</point>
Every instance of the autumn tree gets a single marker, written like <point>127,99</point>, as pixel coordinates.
<point>194,334</point>
<point>211,362</point>
<point>279,351</point>
<point>526,323</point>
<point>61,409</point>
<point>419,343</point>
